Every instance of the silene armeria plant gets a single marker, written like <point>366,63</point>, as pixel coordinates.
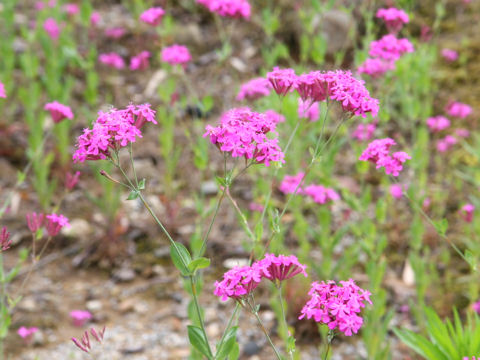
<point>252,137</point>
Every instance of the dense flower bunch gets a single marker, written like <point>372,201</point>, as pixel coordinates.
<point>308,110</point>
<point>228,8</point>
<point>243,133</point>
<point>240,281</point>
<point>26,333</point>
<point>176,54</point>
<point>443,145</point>
<point>378,152</point>
<point>254,89</point>
<point>5,241</point>
<point>152,16</point>
<point>364,132</point>
<point>112,130</point>
<point>115,32</point>
<point>80,317</point>
<point>467,212</point>
<point>52,28</point>
<point>458,109</point>
<point>472,358</point>
<point>396,190</point>
<point>394,18</point>
<point>55,223</point>
<point>376,67</point>
<point>71,9</point>
<point>318,193</point>
<point>59,111</point>
<point>449,55</point>
<point>290,183</point>
<point>476,307</point>
<point>282,80</point>
<point>438,123</point>
<point>71,180</point>
<point>112,59</point>
<point>275,117</point>
<point>390,48</point>
<point>35,221</point>
<point>140,61</point>
<point>336,306</point>
<point>3,94</point>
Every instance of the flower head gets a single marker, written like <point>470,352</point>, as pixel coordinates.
<point>376,67</point>
<point>390,48</point>
<point>336,305</point>
<point>291,183</point>
<point>95,18</point>
<point>115,32</point>
<point>3,94</point>
<point>279,268</point>
<point>308,110</point>
<point>364,132</point>
<point>35,221</point>
<point>140,62</point>
<point>71,180</point>
<point>111,131</point>
<point>274,117</point>
<point>26,333</point>
<point>463,133</point>
<point>238,282</point>
<point>228,8</point>
<point>71,9</point>
<point>282,80</point>
<point>443,145</point>
<point>253,206</point>
<point>438,123</point>
<point>378,152</point>
<point>84,344</point>
<point>5,243</point>
<point>476,307</point>
<point>59,111</point>
<point>449,55</point>
<point>254,89</point>
<point>467,212</point>
<point>112,59</point>
<point>152,16</point>
<point>394,18</point>
<point>458,109</point>
<point>55,223</point>
<point>243,133</point>
<point>52,28</point>
<point>176,54</point>
<point>321,194</point>
<point>80,317</point>
<point>396,190</point>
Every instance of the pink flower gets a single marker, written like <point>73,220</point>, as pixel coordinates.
<point>95,18</point>
<point>112,130</point>
<point>35,221</point>
<point>466,357</point>
<point>449,55</point>
<point>176,54</point>
<point>3,94</point>
<point>274,117</point>
<point>115,32</point>
<point>394,18</point>
<point>390,48</point>
<point>238,282</point>
<point>253,206</point>
<point>378,152</point>
<point>228,8</point>
<point>27,333</point>
<point>58,111</point>
<point>5,243</point>
<point>376,67</point>
<point>282,80</point>
<point>458,109</point>
<point>140,62</point>
<point>336,306</point>
<point>463,133</point>
<point>84,344</point>
<point>52,28</point>
<point>446,143</point>
<point>438,123</point>
<point>112,59</point>
<point>425,33</point>
<point>467,212</point>
<point>396,191</point>
<point>476,307</point>
<point>71,180</point>
<point>308,110</point>
<point>321,194</point>
<point>291,183</point>
<point>279,268</point>
<point>254,89</point>
<point>55,223</point>
<point>364,132</point>
<point>80,317</point>
<point>152,16</point>
<point>71,9</point>
<point>243,133</point>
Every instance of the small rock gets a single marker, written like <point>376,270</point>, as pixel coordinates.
<point>251,348</point>
<point>78,228</point>
<point>133,349</point>
<point>94,305</point>
<point>124,274</point>
<point>213,330</point>
<point>209,188</point>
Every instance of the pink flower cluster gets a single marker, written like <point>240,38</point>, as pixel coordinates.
<point>394,18</point>
<point>458,109</point>
<point>140,61</point>
<point>318,193</point>
<point>336,306</point>
<point>290,183</point>
<point>80,317</point>
<point>176,54</point>
<point>115,32</point>
<point>84,344</point>
<point>71,9</point>
<point>443,145</point>
<point>5,241</point>
<point>26,333</point>
<point>152,16</point>
<point>111,131</point>
<point>378,152</point>
<point>337,85</point>
<point>476,307</point>
<point>71,180</point>
<point>438,123</point>
<point>376,67</point>
<point>390,48</point>
<point>364,132</point>
<point>467,213</point>
<point>55,223</point>
<point>228,8</point>
<point>58,111</point>
<point>396,190</point>
<point>254,89</point>
<point>112,59</point>
<point>308,110</point>
<point>3,94</point>
<point>273,116</point>
<point>240,281</point>
<point>243,133</point>
<point>52,28</point>
<point>449,55</point>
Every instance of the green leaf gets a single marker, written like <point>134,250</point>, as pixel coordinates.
<point>221,181</point>
<point>228,344</point>
<point>420,345</point>
<point>141,184</point>
<point>180,257</point>
<point>200,263</point>
<point>133,195</point>
<point>198,340</point>
<point>441,226</point>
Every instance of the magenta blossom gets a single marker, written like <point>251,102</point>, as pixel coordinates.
<point>274,117</point>
<point>336,306</point>
<point>84,344</point>
<point>115,32</point>
<point>254,89</point>
<point>463,133</point>
<point>71,180</point>
<point>243,133</point>
<point>291,183</point>
<point>26,333</point>
<point>443,145</point>
<point>55,223</point>
<point>467,212</point>
<point>476,307</point>
<point>282,80</point>
<point>80,317</point>
<point>5,243</point>
<point>364,132</point>
<point>238,282</point>
<point>396,190</point>
<point>438,123</point>
<point>449,55</point>
<point>228,8</point>
<point>394,18</point>
<point>59,111</point>
<point>52,28</point>
<point>112,59</point>
<point>390,48</point>
<point>35,221</point>
<point>152,16</point>
<point>95,18</point>
<point>71,9</point>
<point>378,152</point>
<point>279,268</point>
<point>458,109</point>
<point>176,54</point>
<point>376,67</point>
<point>308,110</point>
<point>253,206</point>
<point>140,62</point>
<point>3,94</point>
<point>111,131</point>
<point>321,194</point>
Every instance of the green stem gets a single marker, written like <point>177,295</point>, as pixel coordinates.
<point>284,318</point>
<point>132,164</point>
<point>199,313</point>
<point>266,333</point>
<point>242,216</point>
<point>205,238</point>
<point>229,325</point>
